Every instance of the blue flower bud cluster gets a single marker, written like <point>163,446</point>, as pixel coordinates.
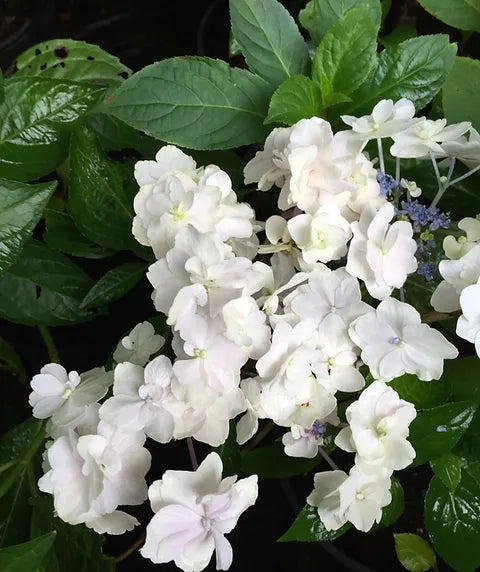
<point>387,184</point>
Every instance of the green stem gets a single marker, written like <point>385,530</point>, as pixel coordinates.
<point>49,344</point>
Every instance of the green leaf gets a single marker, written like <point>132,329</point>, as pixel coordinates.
<point>414,553</point>
<point>460,91</point>
<point>347,52</point>
<point>230,452</point>
<point>21,207</point>
<point>435,431</point>
<point>72,60</point>
<point>392,512</point>
<point>271,462</point>
<point>10,360</point>
<point>308,527</point>
<point>114,284</point>
<point>448,469</point>
<point>17,448</point>
<point>269,39</point>
<point>463,376</point>
<point>26,557</point>
<point>297,98</point>
<point>319,16</point>
<point>415,69</point>
<point>423,394</point>
<point>102,209</point>
<point>452,520</point>
<point>35,120</point>
<point>76,548</point>
<point>44,287</point>
<point>194,102</point>
<point>467,447</point>
<point>463,14</point>
<point>63,235</point>
<point>398,35</point>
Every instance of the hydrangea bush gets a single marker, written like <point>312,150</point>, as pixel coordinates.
<point>324,300</point>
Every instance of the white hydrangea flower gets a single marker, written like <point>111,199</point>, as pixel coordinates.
<point>378,428</point>
<point>387,119</point>
<point>364,187</point>
<point>381,254</point>
<point>89,476</point>
<point>139,345</point>
<point>328,292</point>
<point>269,167</point>
<point>208,355</point>
<point>245,326</point>
<point>193,512</point>
<point>142,399</point>
<point>336,369</point>
<point>357,498</point>
<point>468,325</point>
<point>301,442</point>
<point>394,341</point>
<point>169,160</point>
<point>247,425</point>
<point>455,248</point>
<point>322,236</point>
<point>465,150</point>
<point>63,396</point>
<point>457,275</point>
<point>426,137</point>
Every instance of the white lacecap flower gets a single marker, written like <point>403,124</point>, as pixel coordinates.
<point>455,248</point>
<point>89,476</point>
<point>394,341</point>
<point>247,425</point>
<point>465,150</point>
<point>193,512</point>
<point>63,396</point>
<point>142,399</point>
<point>457,275</point>
<point>426,137</point>
<point>378,428</point>
<point>381,254</point>
<point>322,236</point>
<point>138,345</point>
<point>301,442</point>
<point>387,119</point>
<point>468,325</point>
<point>411,187</point>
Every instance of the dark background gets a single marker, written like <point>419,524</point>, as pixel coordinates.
<point>140,32</point>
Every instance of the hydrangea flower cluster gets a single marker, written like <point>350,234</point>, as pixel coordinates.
<point>275,331</point>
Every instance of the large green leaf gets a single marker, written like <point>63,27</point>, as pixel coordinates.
<point>194,102</point>
<point>414,553</point>
<point>271,462</point>
<point>62,234</point>
<point>44,287</point>
<point>297,98</point>
<point>415,69</point>
<point>448,469</point>
<point>17,449</point>
<point>423,394</point>
<point>269,39</point>
<point>21,207</point>
<point>392,512</point>
<point>319,16</point>
<point>461,90</point>
<point>73,60</point>
<point>99,202</point>
<point>26,557</point>
<point>76,548</point>
<point>453,520</point>
<point>347,52</point>
<point>114,284</point>
<point>35,120</point>
<point>463,375</point>
<point>435,431</point>
<point>308,527</point>
<point>463,14</point>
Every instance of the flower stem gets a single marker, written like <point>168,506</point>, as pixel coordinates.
<point>397,170</point>
<point>131,549</point>
<point>327,458</point>
<point>49,344</point>
<point>458,179</point>
<point>380,155</point>
<point>191,452</point>
<point>441,186</point>
<point>259,436</point>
